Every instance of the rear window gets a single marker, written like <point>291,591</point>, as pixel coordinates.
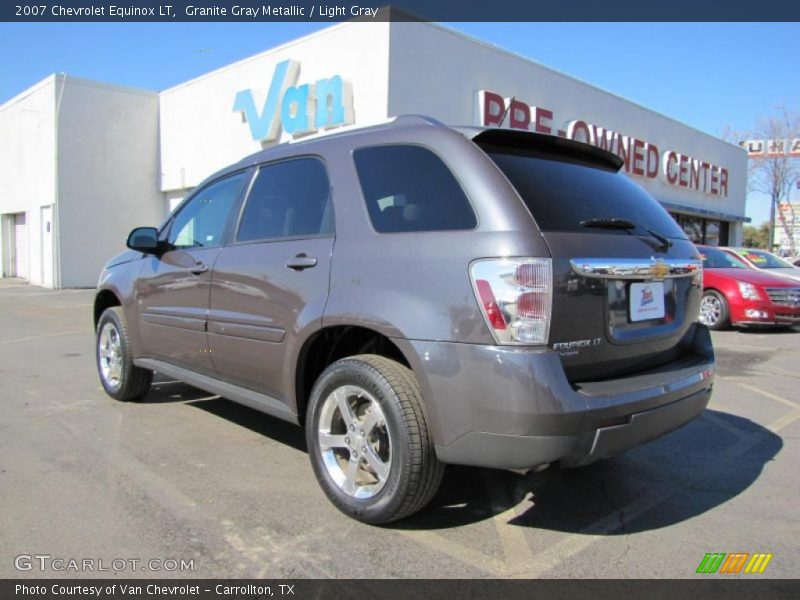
<point>764,260</point>
<point>409,188</point>
<point>719,259</point>
<point>560,192</point>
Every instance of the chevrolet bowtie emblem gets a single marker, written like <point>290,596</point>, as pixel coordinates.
<point>659,270</point>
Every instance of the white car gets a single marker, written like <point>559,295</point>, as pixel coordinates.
<point>766,261</point>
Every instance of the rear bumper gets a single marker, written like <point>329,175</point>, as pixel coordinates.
<point>511,408</point>
<point>522,452</point>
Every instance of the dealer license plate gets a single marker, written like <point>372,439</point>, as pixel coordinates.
<point>646,301</point>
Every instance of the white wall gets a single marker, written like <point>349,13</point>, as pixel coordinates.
<point>27,162</point>
<point>200,132</point>
<point>438,72</point>
<point>108,174</point>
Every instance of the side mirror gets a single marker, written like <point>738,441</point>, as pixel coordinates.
<point>144,239</point>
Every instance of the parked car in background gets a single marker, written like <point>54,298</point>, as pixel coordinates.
<point>761,259</point>
<point>736,294</point>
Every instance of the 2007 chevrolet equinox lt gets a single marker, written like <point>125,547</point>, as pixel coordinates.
<point>418,295</point>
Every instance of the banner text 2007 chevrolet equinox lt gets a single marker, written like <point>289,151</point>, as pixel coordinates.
<point>419,295</point>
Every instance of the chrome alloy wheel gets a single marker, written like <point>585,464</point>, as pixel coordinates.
<point>354,441</point>
<point>109,355</point>
<point>710,310</point>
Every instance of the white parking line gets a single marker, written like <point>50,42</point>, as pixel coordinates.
<point>784,421</point>
<point>516,549</point>
<point>38,337</point>
<point>764,393</point>
<point>72,306</point>
<point>457,550</point>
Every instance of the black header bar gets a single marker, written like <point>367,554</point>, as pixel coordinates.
<point>401,10</point>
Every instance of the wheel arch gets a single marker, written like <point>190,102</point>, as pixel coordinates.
<point>332,343</point>
<point>103,300</point>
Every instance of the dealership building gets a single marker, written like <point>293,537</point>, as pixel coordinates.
<point>83,162</point>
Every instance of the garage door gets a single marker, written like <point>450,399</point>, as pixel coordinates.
<point>21,245</point>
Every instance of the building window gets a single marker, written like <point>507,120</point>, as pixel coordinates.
<point>712,233</point>
<point>703,231</point>
<point>693,228</point>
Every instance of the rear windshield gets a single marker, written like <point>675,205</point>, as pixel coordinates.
<point>561,192</point>
<point>764,260</point>
<point>719,259</point>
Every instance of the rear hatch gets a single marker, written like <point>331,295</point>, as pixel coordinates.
<point>626,281</point>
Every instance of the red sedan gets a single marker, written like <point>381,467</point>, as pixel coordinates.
<point>733,293</point>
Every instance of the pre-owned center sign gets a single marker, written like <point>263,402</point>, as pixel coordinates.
<point>641,158</point>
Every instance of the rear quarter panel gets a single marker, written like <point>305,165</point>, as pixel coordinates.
<point>416,285</point>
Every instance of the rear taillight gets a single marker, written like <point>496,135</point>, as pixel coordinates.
<point>697,282</point>
<point>697,275</point>
<point>515,296</point>
<point>490,307</point>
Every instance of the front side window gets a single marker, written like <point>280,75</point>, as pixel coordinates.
<point>409,188</point>
<point>291,198</point>
<point>201,223</point>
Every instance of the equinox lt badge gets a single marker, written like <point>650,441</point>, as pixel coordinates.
<point>573,347</point>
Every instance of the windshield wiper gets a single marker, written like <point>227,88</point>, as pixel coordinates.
<point>617,223</point>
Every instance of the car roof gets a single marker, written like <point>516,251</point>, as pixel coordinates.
<point>489,135</point>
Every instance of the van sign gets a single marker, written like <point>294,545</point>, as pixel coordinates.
<point>297,109</point>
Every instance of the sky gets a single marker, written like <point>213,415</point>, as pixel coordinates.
<point>711,76</point>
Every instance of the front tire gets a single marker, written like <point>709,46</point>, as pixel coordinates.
<point>368,441</point>
<point>714,312</point>
<point>121,379</point>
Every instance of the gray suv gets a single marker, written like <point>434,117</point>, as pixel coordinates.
<point>418,295</point>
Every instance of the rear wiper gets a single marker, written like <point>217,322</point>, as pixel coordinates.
<point>617,223</point>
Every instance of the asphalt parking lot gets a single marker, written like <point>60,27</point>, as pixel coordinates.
<point>187,476</point>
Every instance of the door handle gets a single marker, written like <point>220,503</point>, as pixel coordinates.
<point>301,261</point>
<point>198,269</point>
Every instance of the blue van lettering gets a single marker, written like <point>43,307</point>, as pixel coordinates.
<point>297,110</point>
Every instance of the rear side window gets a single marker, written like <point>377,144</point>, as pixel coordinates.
<point>409,188</point>
<point>291,198</point>
<point>560,193</point>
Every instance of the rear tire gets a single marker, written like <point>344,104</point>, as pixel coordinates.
<point>368,441</point>
<point>121,379</point>
<point>714,311</point>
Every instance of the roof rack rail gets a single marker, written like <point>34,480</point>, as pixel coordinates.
<point>414,119</point>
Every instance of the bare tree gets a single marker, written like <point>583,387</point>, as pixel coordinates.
<point>776,172</point>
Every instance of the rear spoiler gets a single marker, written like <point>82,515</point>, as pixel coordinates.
<point>546,144</point>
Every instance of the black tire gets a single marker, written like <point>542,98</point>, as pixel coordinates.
<point>123,381</point>
<point>414,473</point>
<point>714,311</point>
